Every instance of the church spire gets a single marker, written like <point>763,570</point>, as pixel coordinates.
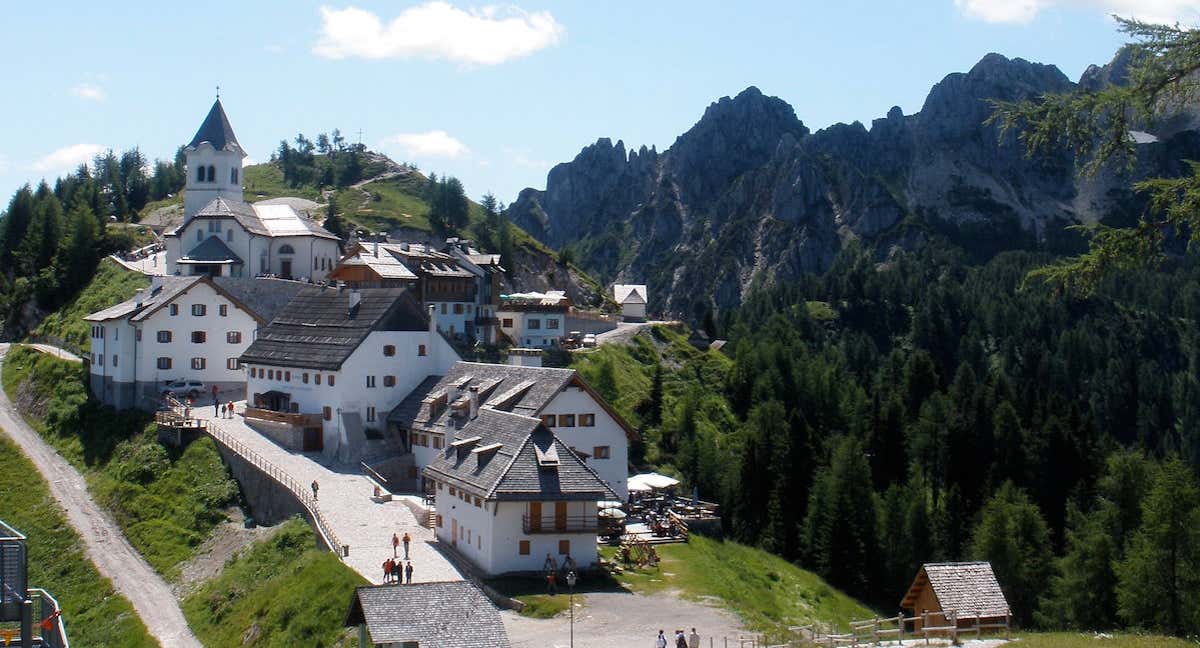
<point>216,130</point>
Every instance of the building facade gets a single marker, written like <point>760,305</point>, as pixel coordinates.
<point>535,319</point>
<point>180,328</point>
<point>632,298</point>
<point>327,371</point>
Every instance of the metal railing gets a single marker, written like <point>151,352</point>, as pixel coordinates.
<point>48,622</point>
<point>560,524</point>
<point>227,439</point>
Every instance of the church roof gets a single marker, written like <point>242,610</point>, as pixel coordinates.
<point>261,220</point>
<point>211,250</point>
<point>217,132</point>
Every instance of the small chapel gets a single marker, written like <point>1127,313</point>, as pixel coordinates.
<point>224,236</point>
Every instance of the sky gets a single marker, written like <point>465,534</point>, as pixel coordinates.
<point>494,94</point>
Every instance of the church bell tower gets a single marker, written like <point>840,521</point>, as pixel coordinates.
<point>214,163</point>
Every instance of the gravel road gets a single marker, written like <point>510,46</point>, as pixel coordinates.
<point>107,547</point>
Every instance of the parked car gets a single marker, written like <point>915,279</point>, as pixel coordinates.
<point>589,340</point>
<point>190,388</point>
<point>573,339</point>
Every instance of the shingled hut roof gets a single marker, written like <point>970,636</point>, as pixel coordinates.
<point>968,588</point>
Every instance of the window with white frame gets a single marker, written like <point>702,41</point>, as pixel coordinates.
<point>370,381</point>
<point>199,310</point>
<point>163,363</point>
<point>164,337</point>
<point>198,364</point>
<point>370,415</point>
<point>231,364</point>
<point>233,337</point>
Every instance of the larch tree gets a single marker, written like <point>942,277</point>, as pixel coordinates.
<point>1164,75</point>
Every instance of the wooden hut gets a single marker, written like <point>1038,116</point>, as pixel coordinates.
<point>962,594</point>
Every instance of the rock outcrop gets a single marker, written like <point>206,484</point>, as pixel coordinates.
<point>749,195</point>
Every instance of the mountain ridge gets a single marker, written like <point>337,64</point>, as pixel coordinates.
<point>750,194</point>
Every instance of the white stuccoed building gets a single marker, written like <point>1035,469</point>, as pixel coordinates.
<point>224,236</point>
<point>331,365</point>
<point>632,299</point>
<point>180,328</point>
<point>509,493</point>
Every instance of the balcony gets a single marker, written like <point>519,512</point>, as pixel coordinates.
<point>294,419</point>
<point>560,524</point>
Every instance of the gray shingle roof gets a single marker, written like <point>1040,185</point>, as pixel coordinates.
<point>317,329</point>
<point>968,588</point>
<point>251,220</point>
<point>144,301</point>
<point>264,297</point>
<point>217,131</point>
<point>522,390</point>
<point>437,615</point>
<point>211,250</point>
<point>514,471</point>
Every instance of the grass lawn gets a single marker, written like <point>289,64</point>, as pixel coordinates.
<point>766,591</point>
<point>166,501</point>
<point>1095,640</point>
<point>281,592</point>
<point>263,181</point>
<point>111,285</point>
<point>95,615</point>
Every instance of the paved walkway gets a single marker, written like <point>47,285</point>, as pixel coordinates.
<point>61,354</point>
<point>345,501</point>
<point>155,264</point>
<point>106,546</point>
<point>607,619</point>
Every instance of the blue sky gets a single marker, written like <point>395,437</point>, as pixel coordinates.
<point>493,94</point>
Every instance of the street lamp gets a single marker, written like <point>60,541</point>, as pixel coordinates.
<point>571,578</point>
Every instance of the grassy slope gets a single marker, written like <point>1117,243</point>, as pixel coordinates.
<point>631,367</point>
<point>1093,640</point>
<point>94,614</point>
<point>766,591</point>
<point>110,285</point>
<point>281,592</point>
<point>166,501</point>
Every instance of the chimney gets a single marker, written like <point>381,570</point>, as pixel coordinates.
<point>450,434</point>
<point>376,246</point>
<point>524,357</point>
<point>432,320</point>
<point>474,401</point>
<point>355,298</point>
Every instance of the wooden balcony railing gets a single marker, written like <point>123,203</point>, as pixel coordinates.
<point>560,524</point>
<point>295,419</point>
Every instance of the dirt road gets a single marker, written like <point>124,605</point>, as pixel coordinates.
<point>106,545</point>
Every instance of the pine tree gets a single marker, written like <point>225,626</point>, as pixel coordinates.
<point>842,527</point>
<point>13,228</point>
<point>333,221</point>
<point>78,257</point>
<point>1159,579</point>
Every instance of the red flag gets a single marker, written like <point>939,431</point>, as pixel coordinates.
<point>48,622</point>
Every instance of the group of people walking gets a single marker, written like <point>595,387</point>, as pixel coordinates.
<point>397,569</point>
<point>681,640</point>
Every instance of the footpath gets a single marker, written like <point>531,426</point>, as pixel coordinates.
<point>106,546</point>
<point>344,499</point>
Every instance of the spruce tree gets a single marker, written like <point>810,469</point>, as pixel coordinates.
<point>1159,579</point>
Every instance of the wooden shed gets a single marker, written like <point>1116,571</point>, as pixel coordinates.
<point>966,593</point>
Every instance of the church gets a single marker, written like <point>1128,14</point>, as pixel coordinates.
<point>224,236</point>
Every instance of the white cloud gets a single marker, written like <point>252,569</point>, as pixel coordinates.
<point>89,91</point>
<point>1023,11</point>
<point>430,144</point>
<point>67,157</point>
<point>437,30</point>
